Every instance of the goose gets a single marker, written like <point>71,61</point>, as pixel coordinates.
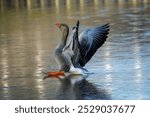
<point>74,52</point>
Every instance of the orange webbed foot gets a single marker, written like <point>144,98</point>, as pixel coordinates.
<point>54,74</point>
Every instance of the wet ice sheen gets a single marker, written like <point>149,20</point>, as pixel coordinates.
<point>28,37</point>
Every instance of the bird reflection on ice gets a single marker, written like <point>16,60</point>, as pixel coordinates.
<point>77,87</point>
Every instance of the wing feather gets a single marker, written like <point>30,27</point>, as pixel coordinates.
<point>91,40</point>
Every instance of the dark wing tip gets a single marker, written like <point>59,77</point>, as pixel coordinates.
<point>78,23</point>
<point>106,26</point>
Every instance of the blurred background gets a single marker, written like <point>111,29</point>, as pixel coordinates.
<point>28,36</point>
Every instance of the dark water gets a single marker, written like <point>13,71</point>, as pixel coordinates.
<point>28,37</point>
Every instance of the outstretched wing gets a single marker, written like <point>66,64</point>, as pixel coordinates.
<point>90,40</point>
<point>76,46</point>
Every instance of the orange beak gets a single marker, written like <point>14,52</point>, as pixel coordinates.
<point>58,24</point>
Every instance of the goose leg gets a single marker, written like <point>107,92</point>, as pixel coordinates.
<point>54,74</point>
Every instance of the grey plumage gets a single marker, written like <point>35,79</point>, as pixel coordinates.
<point>60,58</point>
<point>73,53</point>
<point>91,40</point>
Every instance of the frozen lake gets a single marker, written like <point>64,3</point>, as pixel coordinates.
<point>28,37</point>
